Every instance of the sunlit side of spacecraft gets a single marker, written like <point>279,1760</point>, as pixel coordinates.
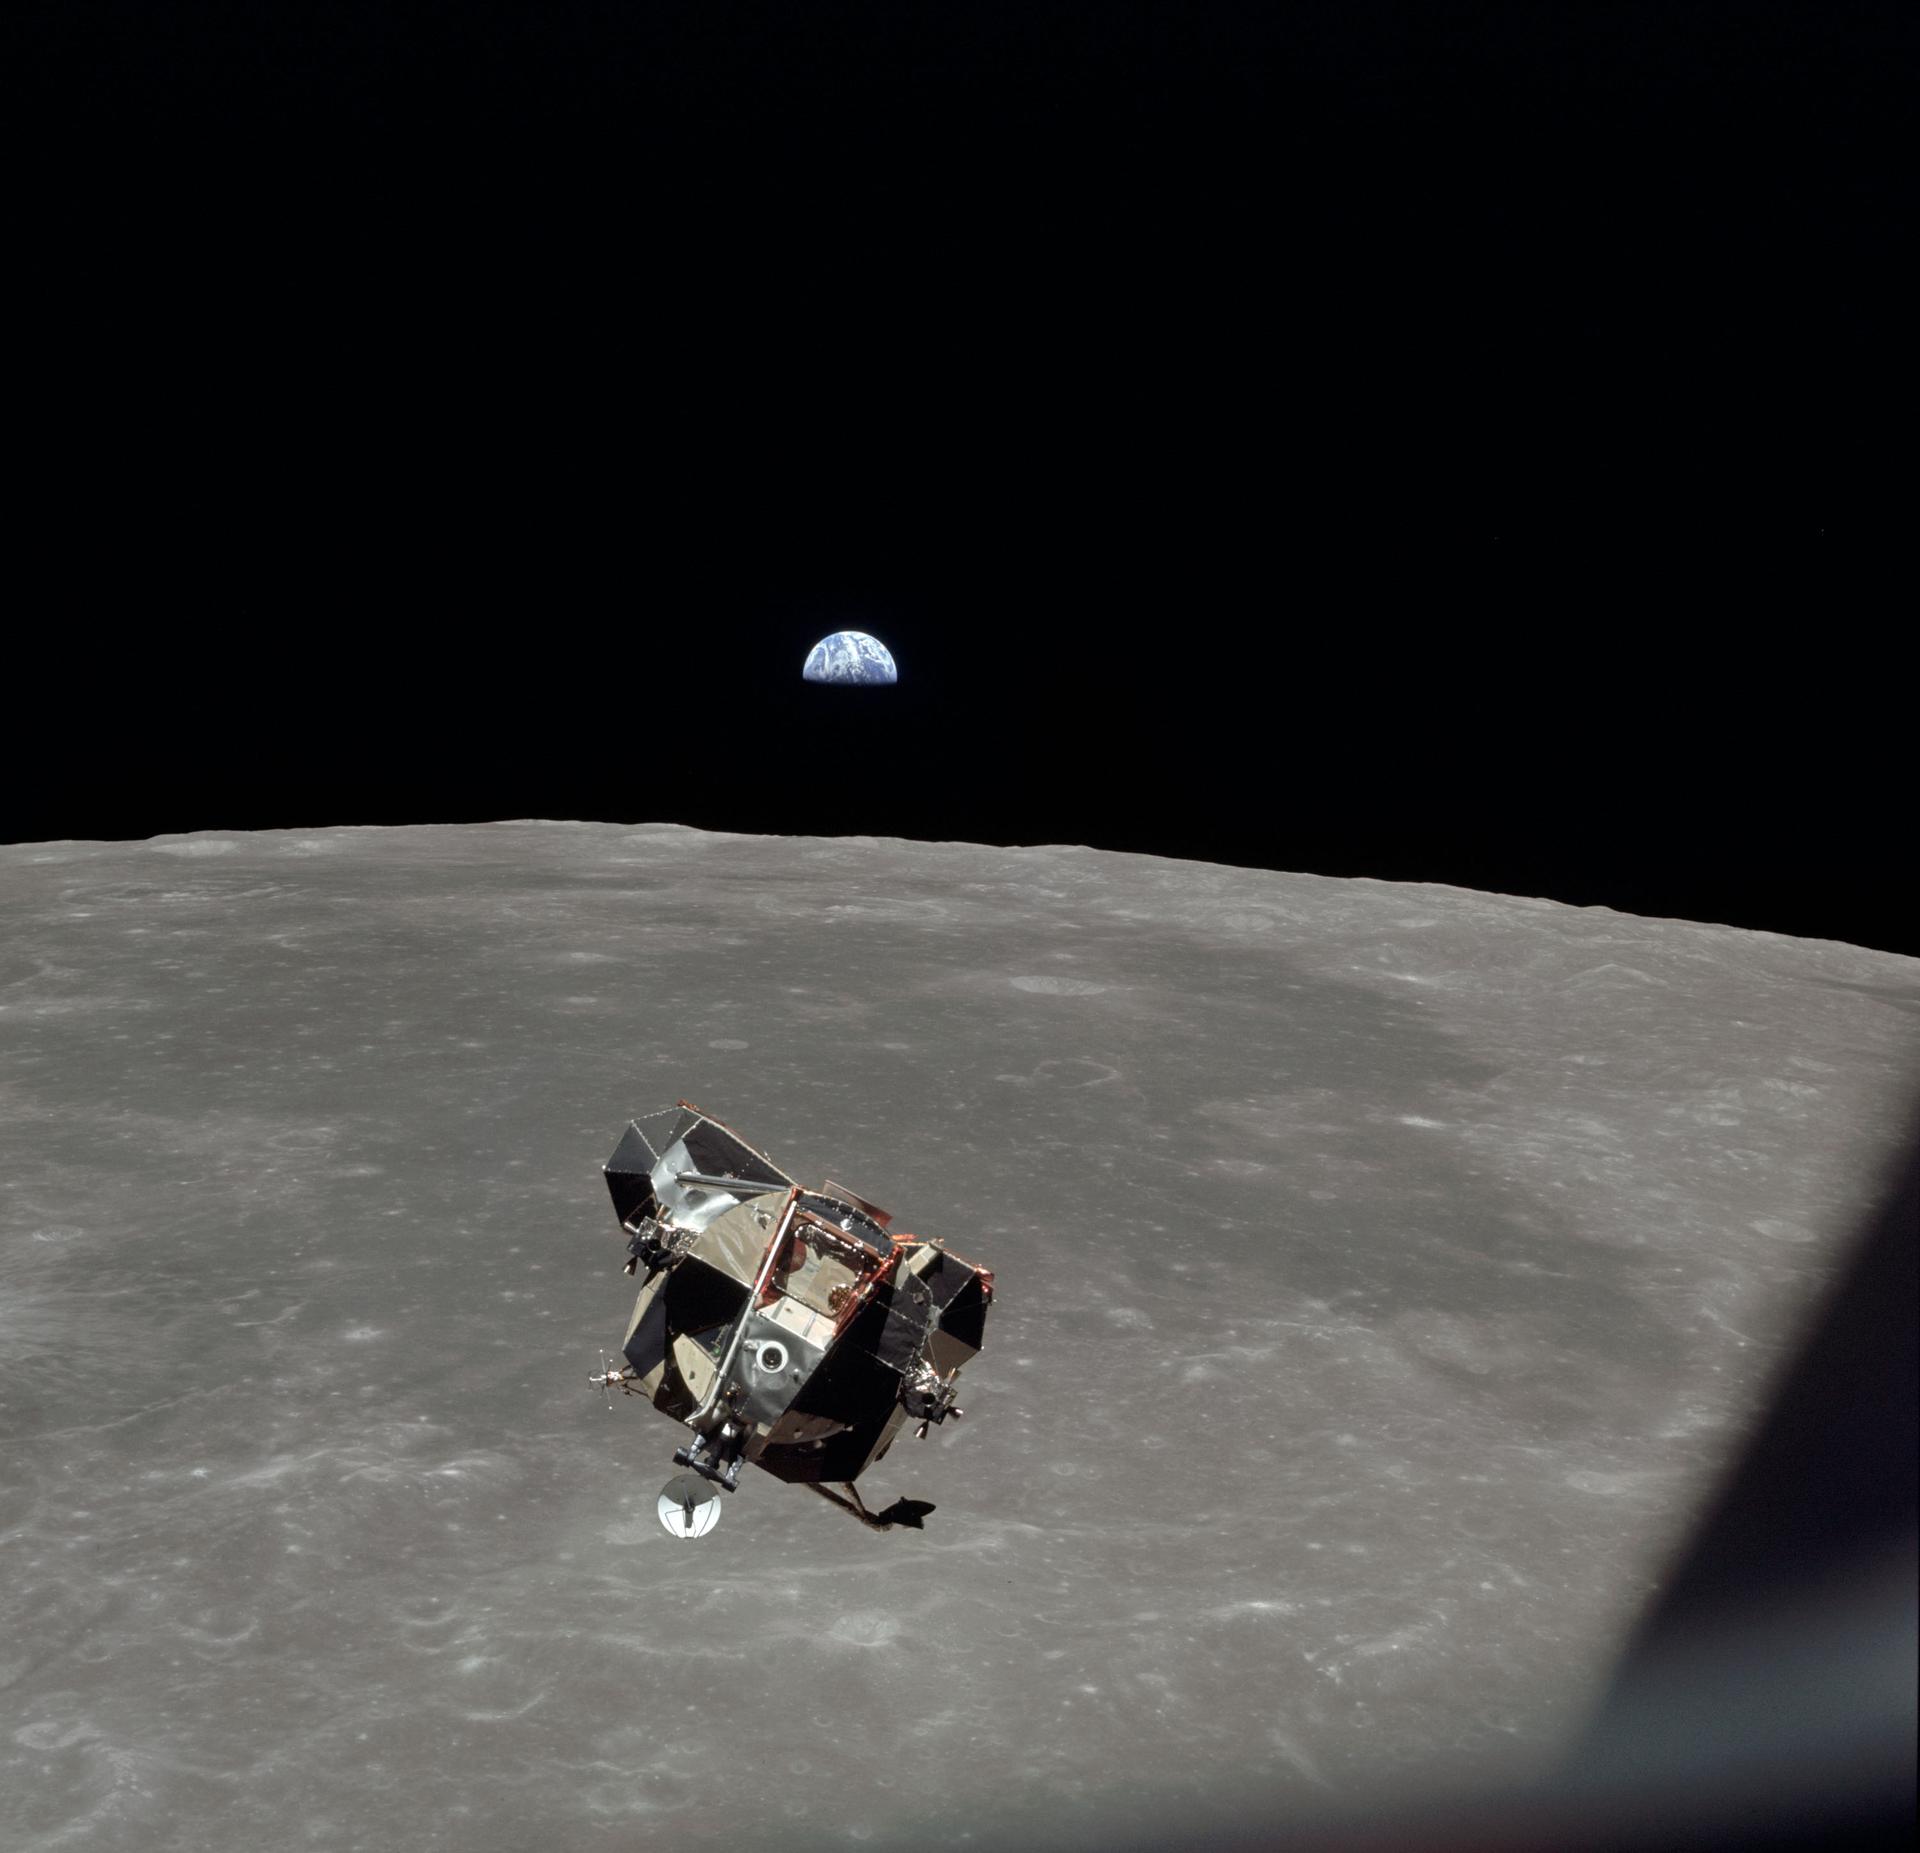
<point>784,1326</point>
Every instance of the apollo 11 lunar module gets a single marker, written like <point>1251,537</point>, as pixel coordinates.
<point>782,1324</point>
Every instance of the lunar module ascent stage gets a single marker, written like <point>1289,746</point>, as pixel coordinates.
<point>783,1325</point>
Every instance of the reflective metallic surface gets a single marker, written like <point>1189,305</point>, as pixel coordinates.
<point>796,1334</point>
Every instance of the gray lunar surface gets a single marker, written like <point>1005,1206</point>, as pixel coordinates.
<point>1385,1275</point>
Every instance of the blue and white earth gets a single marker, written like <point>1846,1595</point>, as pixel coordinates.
<point>851,659</point>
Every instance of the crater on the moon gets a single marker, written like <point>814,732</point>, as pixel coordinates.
<point>1383,1278</point>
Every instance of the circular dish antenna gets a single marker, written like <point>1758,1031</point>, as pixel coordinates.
<point>689,1506</point>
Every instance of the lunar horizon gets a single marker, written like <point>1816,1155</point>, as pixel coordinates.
<point>1385,1274</point>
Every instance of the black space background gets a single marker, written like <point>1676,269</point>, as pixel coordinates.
<point>1467,443</point>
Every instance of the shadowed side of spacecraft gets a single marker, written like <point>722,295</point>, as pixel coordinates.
<point>782,1325</point>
